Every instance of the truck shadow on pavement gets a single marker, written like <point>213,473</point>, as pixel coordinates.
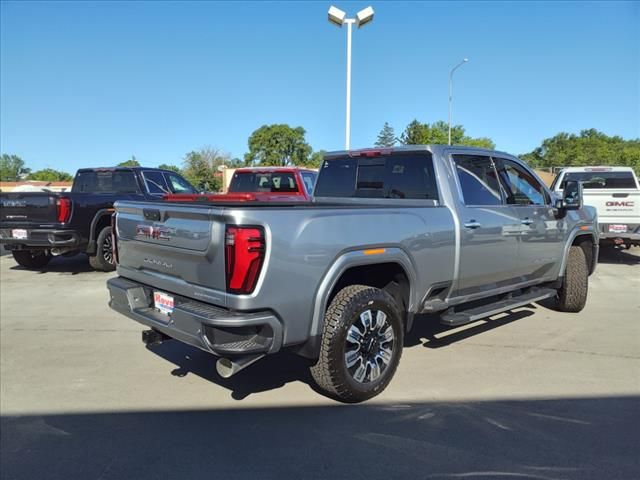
<point>66,265</point>
<point>615,256</point>
<point>548,439</point>
<point>275,371</point>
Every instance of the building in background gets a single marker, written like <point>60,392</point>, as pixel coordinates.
<point>35,186</point>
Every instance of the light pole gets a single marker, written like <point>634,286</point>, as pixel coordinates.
<point>339,18</point>
<point>464,60</point>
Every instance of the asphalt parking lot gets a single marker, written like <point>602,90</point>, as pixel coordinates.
<point>531,394</point>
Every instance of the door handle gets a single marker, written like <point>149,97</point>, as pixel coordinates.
<point>527,221</point>
<point>472,224</point>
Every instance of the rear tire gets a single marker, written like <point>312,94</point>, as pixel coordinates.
<point>361,344</point>
<point>572,296</point>
<point>103,259</point>
<point>31,258</point>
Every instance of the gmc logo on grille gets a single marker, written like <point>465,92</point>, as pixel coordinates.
<point>619,204</point>
<point>157,233</point>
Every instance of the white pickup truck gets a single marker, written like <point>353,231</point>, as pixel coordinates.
<point>615,193</point>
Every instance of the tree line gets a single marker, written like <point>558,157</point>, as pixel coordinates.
<point>282,145</point>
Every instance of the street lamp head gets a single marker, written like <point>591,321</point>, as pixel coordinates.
<point>465,60</point>
<point>364,16</point>
<point>336,16</point>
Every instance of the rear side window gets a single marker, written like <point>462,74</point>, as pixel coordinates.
<point>595,180</point>
<point>309,180</point>
<point>107,181</point>
<point>393,176</point>
<point>155,182</point>
<point>478,180</point>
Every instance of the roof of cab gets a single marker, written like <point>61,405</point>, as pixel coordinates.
<point>433,148</point>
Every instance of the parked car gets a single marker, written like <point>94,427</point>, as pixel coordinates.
<point>615,194</point>
<point>266,184</point>
<point>35,226</point>
<point>390,233</point>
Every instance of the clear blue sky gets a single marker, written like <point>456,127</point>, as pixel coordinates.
<point>86,84</point>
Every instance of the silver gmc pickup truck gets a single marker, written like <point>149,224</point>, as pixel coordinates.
<point>389,234</point>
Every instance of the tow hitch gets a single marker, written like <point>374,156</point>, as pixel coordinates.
<point>154,337</point>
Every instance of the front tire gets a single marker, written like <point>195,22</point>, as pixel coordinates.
<point>31,258</point>
<point>361,344</point>
<point>103,259</point>
<point>572,296</point>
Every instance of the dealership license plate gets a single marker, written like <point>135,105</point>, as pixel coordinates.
<point>19,233</point>
<point>617,229</point>
<point>163,302</point>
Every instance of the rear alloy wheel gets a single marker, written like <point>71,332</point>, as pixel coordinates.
<point>361,344</point>
<point>103,259</point>
<point>31,258</point>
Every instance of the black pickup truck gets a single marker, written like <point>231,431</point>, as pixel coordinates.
<point>35,226</point>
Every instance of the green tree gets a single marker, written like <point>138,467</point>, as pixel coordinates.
<point>416,133</point>
<point>173,168</point>
<point>316,159</point>
<point>50,175</point>
<point>437,133</point>
<point>12,168</point>
<point>589,147</point>
<point>200,167</point>
<point>279,145</point>
<point>386,137</point>
<point>132,162</point>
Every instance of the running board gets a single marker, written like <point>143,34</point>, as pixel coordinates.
<point>454,319</point>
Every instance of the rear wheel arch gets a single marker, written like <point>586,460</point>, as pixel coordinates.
<point>101,219</point>
<point>355,262</point>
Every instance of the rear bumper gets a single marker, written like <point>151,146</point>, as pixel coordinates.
<point>40,238</point>
<point>632,235</point>
<point>212,329</point>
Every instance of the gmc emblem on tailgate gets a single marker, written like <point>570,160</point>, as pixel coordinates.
<point>619,204</point>
<point>157,233</point>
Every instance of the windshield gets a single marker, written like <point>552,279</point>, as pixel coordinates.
<point>593,180</point>
<point>275,182</point>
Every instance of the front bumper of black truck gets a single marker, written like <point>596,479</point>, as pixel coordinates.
<point>210,328</point>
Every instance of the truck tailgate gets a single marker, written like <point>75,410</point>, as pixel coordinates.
<point>173,247</point>
<point>619,206</point>
<point>28,207</point>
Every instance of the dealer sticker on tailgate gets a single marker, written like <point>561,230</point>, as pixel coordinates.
<point>163,302</point>
<point>19,233</point>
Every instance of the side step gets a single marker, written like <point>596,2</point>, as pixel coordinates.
<point>454,319</point>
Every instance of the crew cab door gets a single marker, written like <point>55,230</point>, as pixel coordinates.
<point>541,235</point>
<point>489,228</point>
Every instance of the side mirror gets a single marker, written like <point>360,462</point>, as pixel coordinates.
<point>572,195</point>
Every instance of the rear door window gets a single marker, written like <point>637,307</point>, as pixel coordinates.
<point>393,176</point>
<point>478,180</point>
<point>155,182</point>
<point>309,180</point>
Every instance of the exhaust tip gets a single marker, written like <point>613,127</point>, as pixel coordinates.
<point>227,368</point>
<point>224,367</point>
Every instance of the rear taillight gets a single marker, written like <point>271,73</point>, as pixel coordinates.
<point>63,206</point>
<point>114,238</point>
<point>244,255</point>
